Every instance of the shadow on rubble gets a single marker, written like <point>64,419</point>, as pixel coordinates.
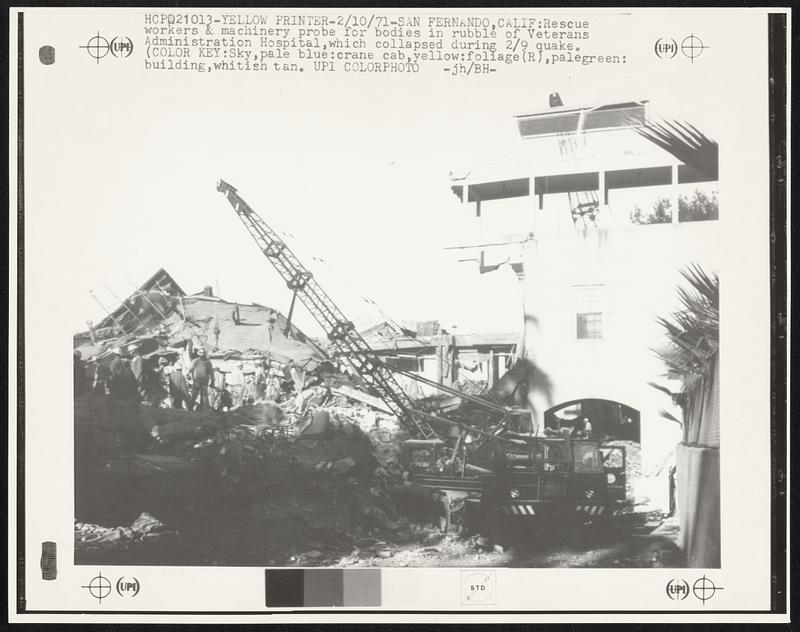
<point>155,486</point>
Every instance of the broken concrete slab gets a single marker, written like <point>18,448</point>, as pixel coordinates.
<point>364,398</point>
<point>342,465</point>
<point>262,413</point>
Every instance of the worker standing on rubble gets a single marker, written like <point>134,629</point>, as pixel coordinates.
<point>187,356</point>
<point>79,369</point>
<point>178,387</point>
<point>273,319</point>
<point>235,380</point>
<point>221,397</point>
<point>137,366</point>
<point>121,383</point>
<point>260,380</point>
<point>273,388</point>
<point>294,377</point>
<point>202,372</point>
<point>287,383</point>
<point>101,379</point>
<point>162,371</point>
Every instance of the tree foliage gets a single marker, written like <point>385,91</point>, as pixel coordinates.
<point>692,331</point>
<point>699,207</point>
<point>692,337</point>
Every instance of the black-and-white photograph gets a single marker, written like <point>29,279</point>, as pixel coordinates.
<point>394,290</point>
<point>582,429</point>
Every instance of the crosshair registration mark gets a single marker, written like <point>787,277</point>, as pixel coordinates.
<point>692,46</point>
<point>704,589</point>
<point>99,587</point>
<point>97,47</point>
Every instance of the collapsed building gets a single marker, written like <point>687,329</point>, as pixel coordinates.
<point>160,318</point>
<point>470,363</point>
<point>319,469</point>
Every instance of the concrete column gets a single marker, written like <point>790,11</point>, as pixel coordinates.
<point>446,356</point>
<point>452,360</point>
<point>492,372</point>
<point>602,209</point>
<point>440,359</point>
<point>478,221</point>
<point>601,185</point>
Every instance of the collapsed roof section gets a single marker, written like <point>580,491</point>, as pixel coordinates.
<point>403,332</point>
<point>219,325</point>
<point>158,288</point>
<point>161,313</point>
<point>424,336</point>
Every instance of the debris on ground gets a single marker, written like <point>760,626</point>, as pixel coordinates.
<point>144,527</point>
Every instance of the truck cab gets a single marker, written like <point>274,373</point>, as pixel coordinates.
<point>557,477</point>
<point>549,478</point>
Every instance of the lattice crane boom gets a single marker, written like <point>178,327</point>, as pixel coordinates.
<point>340,331</point>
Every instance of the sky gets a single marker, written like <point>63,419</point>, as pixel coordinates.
<point>354,170</point>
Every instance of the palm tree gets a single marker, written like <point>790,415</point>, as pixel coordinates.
<point>690,353</point>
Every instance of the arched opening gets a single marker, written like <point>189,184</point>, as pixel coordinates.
<point>603,418</point>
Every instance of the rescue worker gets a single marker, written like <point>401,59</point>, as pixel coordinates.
<point>187,356</point>
<point>222,399</point>
<point>287,384</point>
<point>273,319</point>
<point>178,388</point>
<point>101,379</point>
<point>272,391</point>
<point>296,374</point>
<point>137,364</point>
<point>162,372</point>
<point>79,370</point>
<point>235,380</point>
<point>137,368</point>
<point>202,372</point>
<point>260,380</point>
<point>121,383</point>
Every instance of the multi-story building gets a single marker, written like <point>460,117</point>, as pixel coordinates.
<point>597,220</point>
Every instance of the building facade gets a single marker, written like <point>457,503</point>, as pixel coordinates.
<point>597,220</point>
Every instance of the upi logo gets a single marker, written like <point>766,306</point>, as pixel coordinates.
<point>677,589</point>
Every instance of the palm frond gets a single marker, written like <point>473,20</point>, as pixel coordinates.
<point>670,417</point>
<point>693,332</point>
<point>685,142</point>
<point>663,389</point>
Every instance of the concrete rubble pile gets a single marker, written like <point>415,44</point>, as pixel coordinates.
<point>215,422</point>
<point>321,461</point>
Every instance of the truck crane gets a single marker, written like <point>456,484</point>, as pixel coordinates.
<point>506,472</point>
